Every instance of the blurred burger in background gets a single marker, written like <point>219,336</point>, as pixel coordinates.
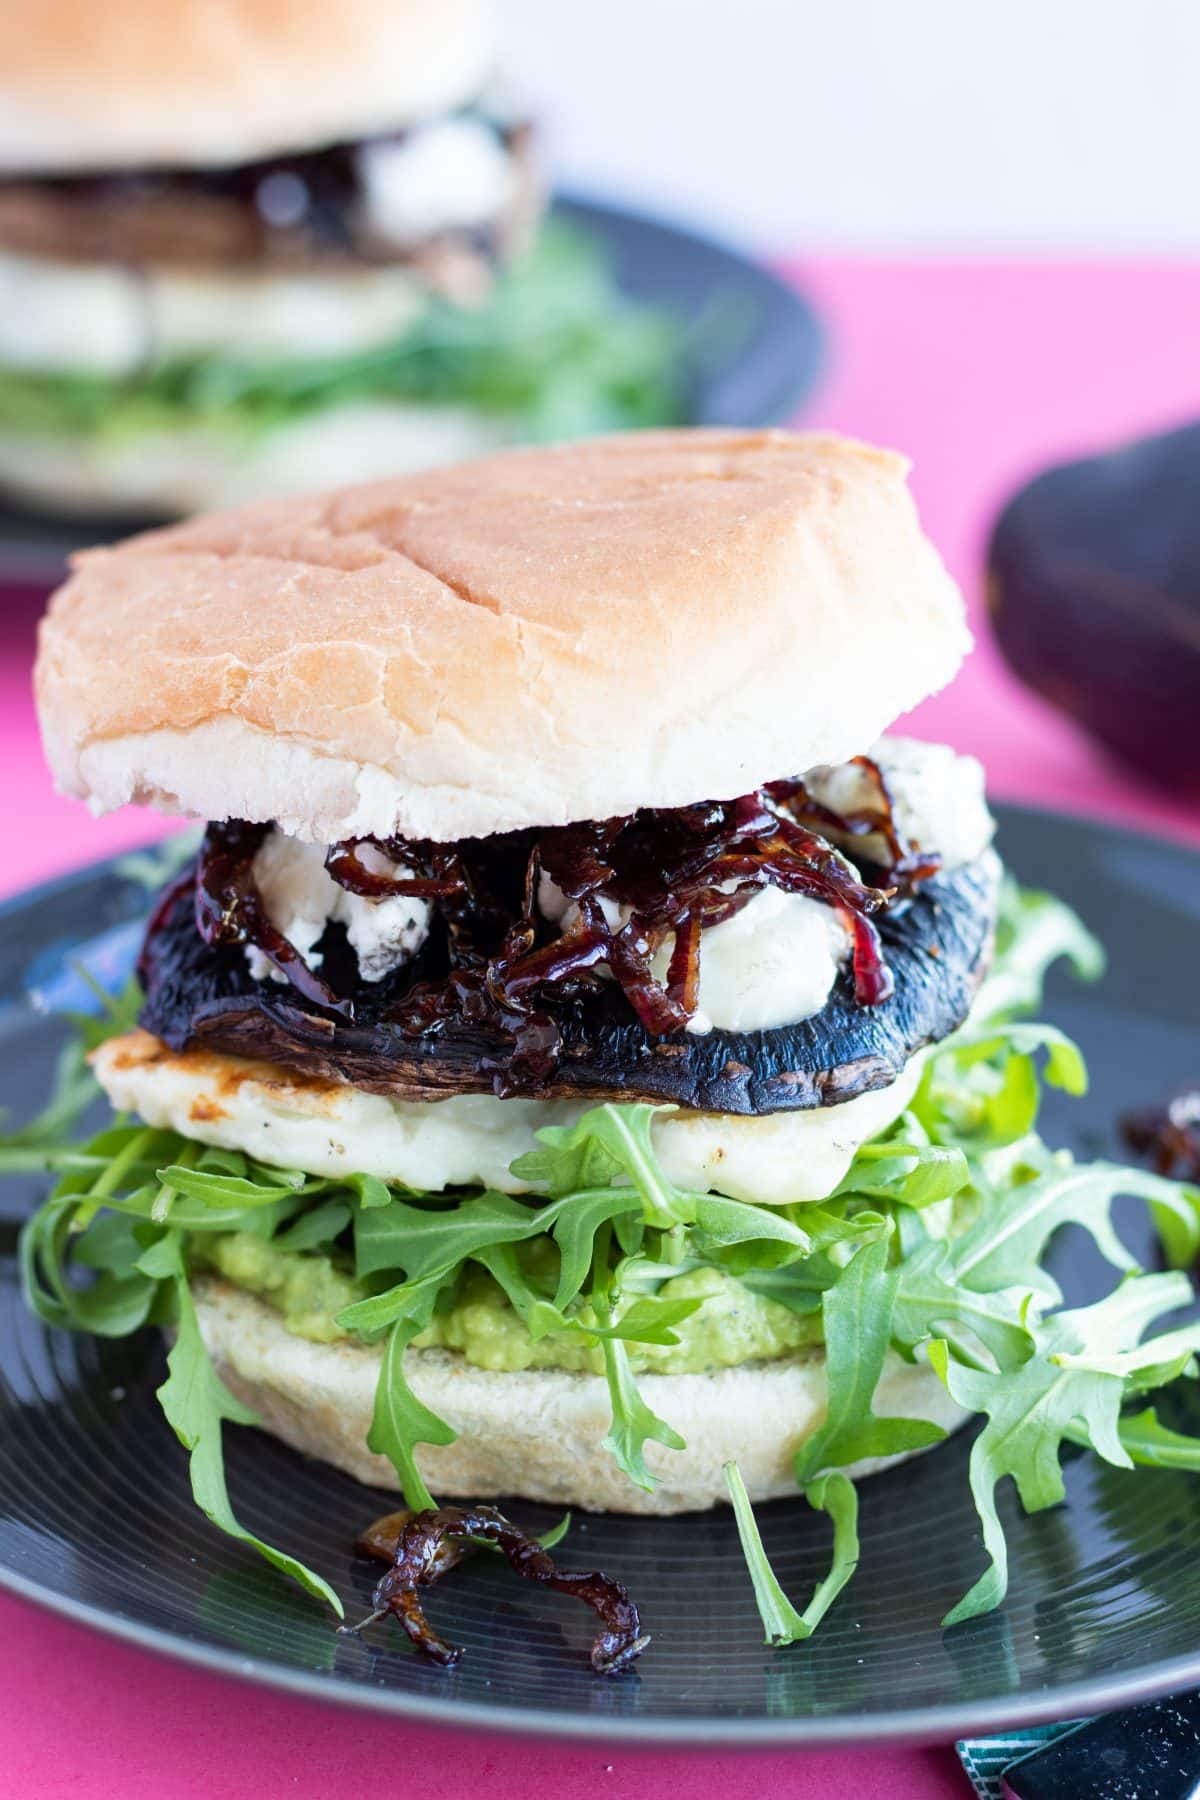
<point>249,247</point>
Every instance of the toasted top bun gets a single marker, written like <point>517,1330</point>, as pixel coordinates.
<point>532,638</point>
<point>217,82</point>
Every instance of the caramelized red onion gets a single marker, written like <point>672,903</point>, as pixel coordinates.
<point>422,1547</point>
<point>1168,1136</point>
<point>445,881</point>
<point>669,874</point>
<point>907,865</point>
<point>230,909</point>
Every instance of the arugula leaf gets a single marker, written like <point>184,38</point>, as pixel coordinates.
<point>905,1170</point>
<point>799,1286</point>
<point>606,1143</point>
<point>1065,1067</point>
<point>781,1622</point>
<point>1064,1390</point>
<point>834,1234</point>
<point>370,1190</point>
<point>555,351</point>
<point>121,1298</point>
<point>647,1320</point>
<point>833,1493</point>
<point>1005,1245</point>
<point>421,1240</point>
<point>556,1533</point>
<point>1120,1317</point>
<point>430,1246</point>
<point>214,1189</point>
<point>400,1421</point>
<point>143,1197</point>
<point>929,1302</point>
<point>539,1314</point>
<point>1176,1219</point>
<point>376,1314</point>
<point>197,1403</point>
<point>574,1221</point>
<point>313,1230</point>
<point>569,1158</point>
<point>1151,1444</point>
<point>858,1315</point>
<point>1034,930</point>
<point>634,1424</point>
<point>741,1236</point>
<point>109,1200</point>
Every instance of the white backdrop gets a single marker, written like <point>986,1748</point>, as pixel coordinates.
<point>892,124</point>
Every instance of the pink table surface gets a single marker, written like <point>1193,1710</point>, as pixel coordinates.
<point>981,373</point>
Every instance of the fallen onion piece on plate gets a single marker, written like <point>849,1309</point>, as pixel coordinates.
<point>422,1546</point>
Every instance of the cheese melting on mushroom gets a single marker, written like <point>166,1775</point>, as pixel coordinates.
<point>302,898</point>
<point>473,1139</point>
<point>772,964</point>
<point>775,962</point>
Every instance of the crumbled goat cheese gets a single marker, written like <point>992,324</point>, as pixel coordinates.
<point>451,175</point>
<point>302,898</point>
<point>939,797</point>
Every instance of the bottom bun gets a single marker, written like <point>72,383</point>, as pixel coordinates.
<point>537,1434</point>
<point>197,468</point>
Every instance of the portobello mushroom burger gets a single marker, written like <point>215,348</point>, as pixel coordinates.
<point>271,245</point>
<point>581,1059</point>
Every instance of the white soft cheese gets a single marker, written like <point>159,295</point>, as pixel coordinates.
<point>772,963</point>
<point>473,1138</point>
<point>108,319</point>
<point>554,905</point>
<point>775,962</point>
<point>939,796</point>
<point>302,898</point>
<point>447,176</point>
<point>197,468</point>
<point>103,319</point>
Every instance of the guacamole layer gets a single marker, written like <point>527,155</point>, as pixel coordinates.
<point>732,1324</point>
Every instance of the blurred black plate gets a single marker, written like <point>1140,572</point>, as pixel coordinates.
<point>96,1520</point>
<point>758,349</point>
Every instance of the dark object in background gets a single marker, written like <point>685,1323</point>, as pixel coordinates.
<point>1094,592</point>
<point>1151,1753</point>
<point>1168,1136</point>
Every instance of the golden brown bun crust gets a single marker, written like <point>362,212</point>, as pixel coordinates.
<point>537,1434</point>
<point>215,82</point>
<point>530,638</point>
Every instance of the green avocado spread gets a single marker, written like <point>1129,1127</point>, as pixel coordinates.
<point>732,1325</point>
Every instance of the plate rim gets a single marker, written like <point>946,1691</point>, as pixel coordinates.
<point>940,1723</point>
<point>796,380</point>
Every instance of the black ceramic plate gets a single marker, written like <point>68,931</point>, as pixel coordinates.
<point>756,342</point>
<point>96,1520</point>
